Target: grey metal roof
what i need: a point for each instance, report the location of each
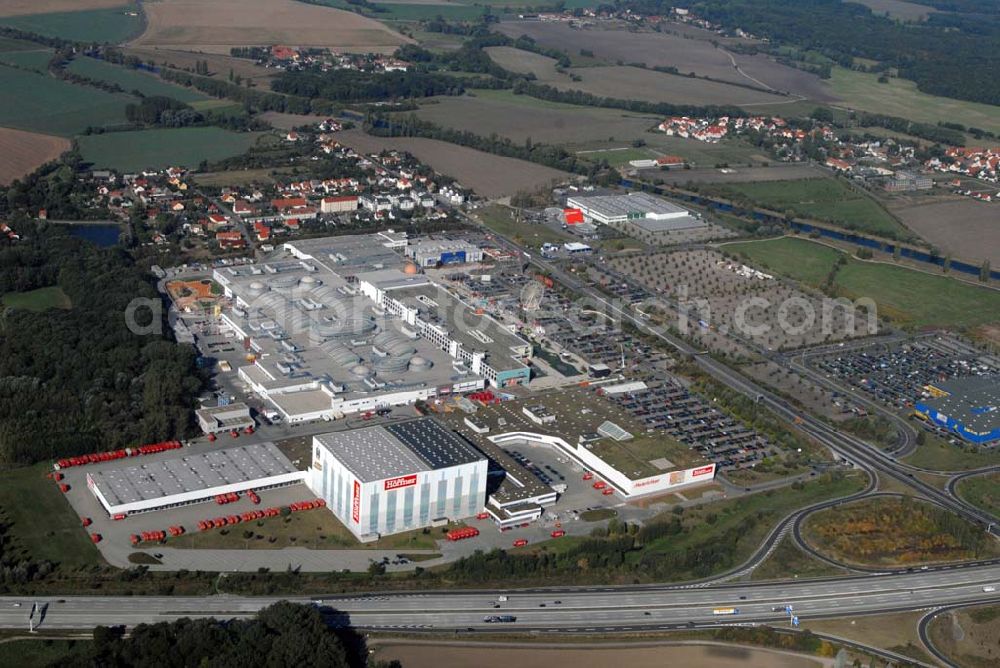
(434, 443)
(376, 453)
(190, 473)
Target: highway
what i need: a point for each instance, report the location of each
(579, 609)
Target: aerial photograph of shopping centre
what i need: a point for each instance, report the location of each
(440, 333)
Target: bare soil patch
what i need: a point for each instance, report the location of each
(214, 26)
(962, 227)
(441, 655)
(489, 175)
(24, 7)
(23, 152)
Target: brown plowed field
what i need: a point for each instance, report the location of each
(23, 152)
(214, 26)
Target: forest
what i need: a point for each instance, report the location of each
(78, 380)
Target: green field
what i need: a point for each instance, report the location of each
(498, 218)
(46, 104)
(900, 97)
(11, 44)
(129, 80)
(823, 199)
(982, 492)
(618, 157)
(937, 454)
(41, 299)
(35, 59)
(40, 652)
(908, 296)
(807, 263)
(47, 529)
(186, 147)
(93, 25)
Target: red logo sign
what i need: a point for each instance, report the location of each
(402, 481)
(704, 470)
(356, 503)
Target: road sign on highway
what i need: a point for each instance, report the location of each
(788, 609)
(795, 620)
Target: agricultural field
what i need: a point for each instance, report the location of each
(50, 106)
(110, 25)
(60, 539)
(629, 83)
(822, 199)
(982, 492)
(894, 532)
(35, 59)
(961, 227)
(718, 291)
(20, 7)
(734, 173)
(219, 66)
(186, 147)
(23, 152)
(665, 49)
(898, 9)
(214, 26)
(968, 636)
(130, 79)
(41, 299)
(519, 117)
(489, 175)
(900, 97)
(908, 296)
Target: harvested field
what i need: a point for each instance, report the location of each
(489, 175)
(962, 227)
(778, 172)
(630, 83)
(23, 152)
(670, 50)
(20, 7)
(214, 26)
(519, 117)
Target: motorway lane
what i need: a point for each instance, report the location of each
(580, 608)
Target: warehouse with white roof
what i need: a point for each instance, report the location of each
(185, 478)
(389, 479)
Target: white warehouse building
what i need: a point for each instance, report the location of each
(389, 479)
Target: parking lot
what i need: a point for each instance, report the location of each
(896, 374)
